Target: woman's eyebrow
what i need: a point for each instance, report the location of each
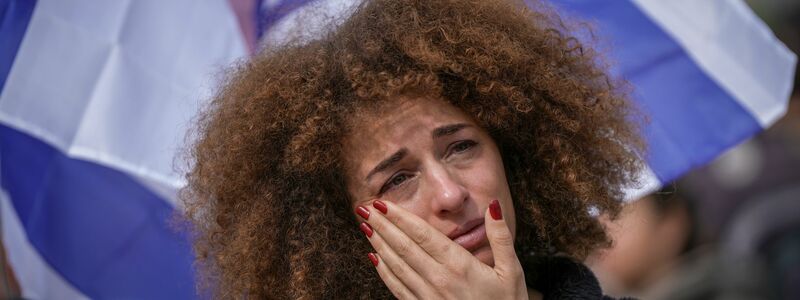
(448, 129)
(388, 162)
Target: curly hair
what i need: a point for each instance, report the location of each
(266, 194)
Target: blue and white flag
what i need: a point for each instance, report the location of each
(96, 96)
(709, 74)
(95, 102)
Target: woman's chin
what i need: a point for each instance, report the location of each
(484, 254)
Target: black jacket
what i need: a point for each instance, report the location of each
(561, 278)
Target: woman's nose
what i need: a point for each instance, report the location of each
(447, 194)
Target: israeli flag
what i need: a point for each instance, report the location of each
(96, 97)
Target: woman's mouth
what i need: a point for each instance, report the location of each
(470, 235)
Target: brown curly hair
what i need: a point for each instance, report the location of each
(266, 195)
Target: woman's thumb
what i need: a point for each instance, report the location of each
(501, 240)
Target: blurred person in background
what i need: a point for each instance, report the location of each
(729, 230)
(650, 237)
(726, 231)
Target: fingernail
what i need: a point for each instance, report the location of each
(379, 205)
(366, 229)
(494, 210)
(373, 258)
(363, 212)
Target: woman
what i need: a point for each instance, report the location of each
(468, 140)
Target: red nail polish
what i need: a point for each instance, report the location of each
(379, 205)
(363, 212)
(373, 258)
(494, 210)
(366, 229)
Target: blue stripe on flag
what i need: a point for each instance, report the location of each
(692, 118)
(104, 232)
(15, 17)
(268, 17)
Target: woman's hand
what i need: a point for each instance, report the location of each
(416, 261)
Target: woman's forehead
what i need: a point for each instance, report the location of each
(404, 118)
(397, 125)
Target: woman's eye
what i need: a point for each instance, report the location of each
(398, 179)
(394, 181)
(462, 146)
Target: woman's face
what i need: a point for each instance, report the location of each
(430, 158)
